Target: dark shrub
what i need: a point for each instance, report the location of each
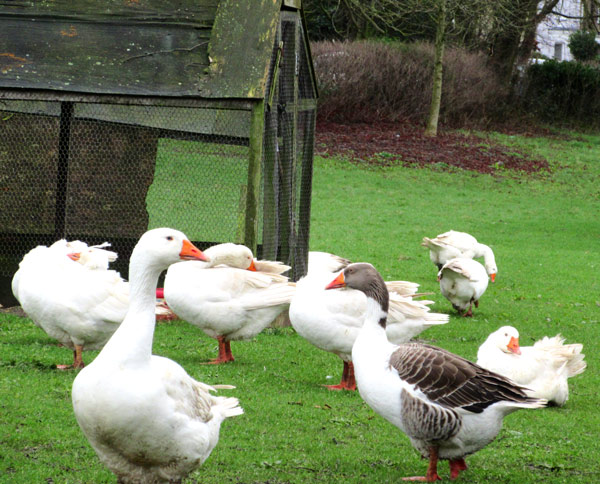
(563, 92)
(583, 46)
(365, 81)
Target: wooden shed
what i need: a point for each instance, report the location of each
(121, 115)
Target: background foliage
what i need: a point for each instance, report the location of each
(559, 92)
(489, 45)
(394, 83)
(583, 46)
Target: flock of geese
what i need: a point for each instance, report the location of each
(150, 422)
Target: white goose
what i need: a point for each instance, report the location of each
(452, 244)
(325, 262)
(231, 298)
(448, 406)
(79, 307)
(463, 281)
(331, 320)
(145, 417)
(94, 257)
(543, 368)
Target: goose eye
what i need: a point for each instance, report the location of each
(169, 237)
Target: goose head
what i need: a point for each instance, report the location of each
(489, 261)
(492, 270)
(506, 339)
(159, 248)
(232, 255)
(364, 277)
(94, 257)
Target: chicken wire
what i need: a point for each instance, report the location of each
(108, 169)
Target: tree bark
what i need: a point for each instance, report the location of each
(438, 71)
(515, 43)
(590, 15)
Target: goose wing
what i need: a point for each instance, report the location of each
(452, 381)
(461, 240)
(191, 397)
(324, 261)
(272, 267)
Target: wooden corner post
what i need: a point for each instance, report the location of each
(254, 176)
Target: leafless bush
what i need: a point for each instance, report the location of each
(365, 81)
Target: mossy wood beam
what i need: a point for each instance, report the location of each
(270, 238)
(239, 50)
(288, 120)
(180, 12)
(163, 101)
(293, 240)
(301, 262)
(254, 176)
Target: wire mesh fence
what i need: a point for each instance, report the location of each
(102, 168)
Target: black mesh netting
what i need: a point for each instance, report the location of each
(100, 170)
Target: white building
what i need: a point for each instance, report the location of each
(553, 33)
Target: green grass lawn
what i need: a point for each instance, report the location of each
(206, 175)
(545, 232)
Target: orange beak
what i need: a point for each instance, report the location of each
(190, 252)
(74, 256)
(337, 282)
(513, 346)
(252, 267)
(493, 277)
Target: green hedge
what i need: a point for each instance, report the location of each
(567, 92)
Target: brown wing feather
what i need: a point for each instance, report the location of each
(452, 381)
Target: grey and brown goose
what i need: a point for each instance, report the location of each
(448, 406)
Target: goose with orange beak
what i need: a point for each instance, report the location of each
(452, 244)
(77, 301)
(331, 320)
(448, 406)
(543, 368)
(145, 417)
(231, 297)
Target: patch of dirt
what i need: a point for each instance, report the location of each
(393, 143)
(16, 310)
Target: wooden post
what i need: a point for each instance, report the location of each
(308, 120)
(288, 120)
(62, 175)
(270, 203)
(270, 229)
(254, 175)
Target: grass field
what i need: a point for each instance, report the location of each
(206, 175)
(545, 232)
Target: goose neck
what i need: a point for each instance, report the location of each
(375, 316)
(372, 339)
(486, 252)
(133, 339)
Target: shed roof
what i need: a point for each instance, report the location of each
(199, 48)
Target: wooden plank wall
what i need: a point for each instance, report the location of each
(140, 47)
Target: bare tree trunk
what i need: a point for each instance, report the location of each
(436, 88)
(590, 15)
(516, 40)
